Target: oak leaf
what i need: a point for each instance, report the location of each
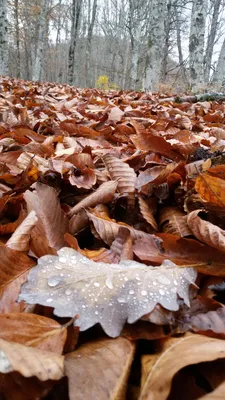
(108, 294)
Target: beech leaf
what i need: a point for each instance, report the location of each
(121, 171)
(109, 294)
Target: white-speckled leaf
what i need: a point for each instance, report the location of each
(109, 294)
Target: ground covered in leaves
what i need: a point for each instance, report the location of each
(112, 245)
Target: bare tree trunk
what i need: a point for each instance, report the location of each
(196, 42)
(126, 62)
(179, 48)
(211, 40)
(16, 8)
(4, 57)
(155, 45)
(88, 77)
(41, 43)
(219, 74)
(167, 27)
(76, 15)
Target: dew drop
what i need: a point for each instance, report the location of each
(96, 284)
(83, 306)
(164, 280)
(49, 300)
(121, 300)
(109, 283)
(126, 278)
(53, 281)
(68, 292)
(175, 282)
(131, 291)
(161, 292)
(62, 260)
(154, 283)
(96, 312)
(144, 292)
(58, 266)
(138, 278)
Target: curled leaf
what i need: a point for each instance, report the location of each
(206, 231)
(21, 237)
(121, 171)
(106, 293)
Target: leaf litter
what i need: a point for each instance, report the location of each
(112, 221)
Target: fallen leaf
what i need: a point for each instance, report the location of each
(21, 237)
(45, 203)
(205, 231)
(178, 355)
(122, 172)
(211, 188)
(30, 361)
(174, 221)
(147, 213)
(105, 364)
(106, 293)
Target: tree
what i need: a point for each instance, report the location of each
(76, 17)
(91, 21)
(3, 38)
(219, 74)
(196, 42)
(41, 42)
(156, 36)
(211, 40)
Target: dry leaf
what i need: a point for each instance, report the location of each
(205, 231)
(173, 221)
(174, 358)
(29, 361)
(147, 213)
(121, 171)
(211, 188)
(105, 364)
(21, 237)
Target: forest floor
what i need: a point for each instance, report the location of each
(112, 245)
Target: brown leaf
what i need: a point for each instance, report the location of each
(10, 293)
(21, 237)
(211, 188)
(105, 365)
(108, 230)
(33, 330)
(103, 195)
(30, 361)
(174, 221)
(145, 140)
(174, 358)
(147, 213)
(123, 245)
(12, 264)
(12, 226)
(121, 171)
(45, 203)
(211, 323)
(205, 231)
(182, 252)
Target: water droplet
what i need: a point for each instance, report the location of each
(154, 283)
(161, 292)
(49, 300)
(173, 290)
(83, 306)
(108, 282)
(62, 260)
(144, 292)
(96, 284)
(53, 281)
(163, 279)
(175, 282)
(131, 291)
(121, 300)
(96, 312)
(68, 292)
(126, 278)
(58, 266)
(44, 270)
(138, 278)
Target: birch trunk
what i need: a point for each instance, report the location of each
(76, 15)
(219, 74)
(196, 43)
(41, 43)
(211, 40)
(88, 77)
(179, 47)
(3, 38)
(155, 45)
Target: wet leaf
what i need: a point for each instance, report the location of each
(106, 293)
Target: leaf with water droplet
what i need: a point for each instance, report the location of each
(109, 294)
